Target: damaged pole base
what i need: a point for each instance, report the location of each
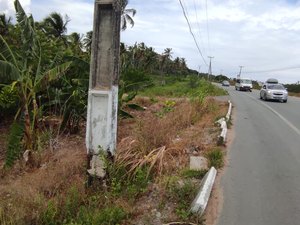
(96, 169)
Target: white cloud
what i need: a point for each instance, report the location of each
(7, 6)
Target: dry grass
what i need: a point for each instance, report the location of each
(163, 142)
(294, 94)
(158, 138)
(24, 192)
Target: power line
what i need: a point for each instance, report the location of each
(198, 25)
(274, 70)
(188, 22)
(208, 41)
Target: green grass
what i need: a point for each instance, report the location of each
(183, 89)
(198, 174)
(80, 209)
(215, 158)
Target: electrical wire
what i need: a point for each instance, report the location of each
(188, 22)
(274, 70)
(207, 28)
(198, 25)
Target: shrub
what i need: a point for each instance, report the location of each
(109, 216)
(14, 148)
(193, 81)
(215, 157)
(198, 174)
(135, 79)
(183, 194)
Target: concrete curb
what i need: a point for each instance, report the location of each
(223, 123)
(200, 202)
(229, 111)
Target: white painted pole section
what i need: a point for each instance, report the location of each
(200, 202)
(101, 133)
(102, 120)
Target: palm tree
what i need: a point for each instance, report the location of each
(4, 24)
(164, 61)
(87, 41)
(74, 41)
(166, 56)
(56, 26)
(126, 15)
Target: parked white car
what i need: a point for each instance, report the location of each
(243, 84)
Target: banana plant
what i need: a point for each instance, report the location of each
(24, 70)
(124, 101)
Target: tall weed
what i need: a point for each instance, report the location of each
(216, 158)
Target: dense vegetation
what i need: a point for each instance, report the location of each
(44, 76)
(295, 88)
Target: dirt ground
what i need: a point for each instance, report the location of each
(65, 165)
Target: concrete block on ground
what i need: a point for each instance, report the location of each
(198, 163)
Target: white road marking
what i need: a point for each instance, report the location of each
(279, 115)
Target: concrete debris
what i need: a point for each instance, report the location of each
(198, 163)
(27, 155)
(97, 167)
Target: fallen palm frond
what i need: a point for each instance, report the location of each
(157, 161)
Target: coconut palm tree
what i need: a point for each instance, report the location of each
(87, 41)
(126, 15)
(74, 42)
(56, 25)
(165, 58)
(4, 24)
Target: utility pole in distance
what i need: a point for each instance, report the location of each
(239, 75)
(209, 68)
(199, 71)
(101, 131)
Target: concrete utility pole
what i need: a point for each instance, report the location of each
(209, 68)
(239, 75)
(101, 131)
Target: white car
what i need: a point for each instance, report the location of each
(274, 91)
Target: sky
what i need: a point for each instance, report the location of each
(262, 36)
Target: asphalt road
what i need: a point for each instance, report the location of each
(261, 183)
